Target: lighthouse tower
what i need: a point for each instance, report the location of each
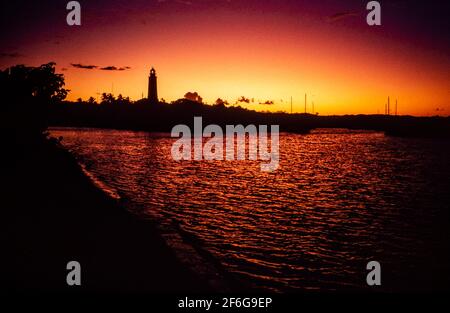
(152, 87)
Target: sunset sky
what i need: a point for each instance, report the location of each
(260, 49)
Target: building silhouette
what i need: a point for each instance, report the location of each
(152, 87)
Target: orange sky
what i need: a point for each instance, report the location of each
(345, 67)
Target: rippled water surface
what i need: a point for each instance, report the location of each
(339, 199)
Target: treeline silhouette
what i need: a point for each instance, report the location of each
(121, 113)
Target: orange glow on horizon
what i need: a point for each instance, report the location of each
(344, 71)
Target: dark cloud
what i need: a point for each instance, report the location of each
(105, 68)
(114, 68)
(342, 15)
(86, 67)
(268, 102)
(10, 54)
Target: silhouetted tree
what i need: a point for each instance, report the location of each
(193, 96)
(244, 99)
(221, 103)
(27, 94)
(107, 98)
(122, 100)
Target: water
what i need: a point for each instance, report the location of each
(339, 199)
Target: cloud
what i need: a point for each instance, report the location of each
(10, 54)
(342, 15)
(268, 102)
(105, 68)
(114, 68)
(86, 67)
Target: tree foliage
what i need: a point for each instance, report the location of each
(27, 93)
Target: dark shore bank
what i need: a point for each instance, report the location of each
(54, 214)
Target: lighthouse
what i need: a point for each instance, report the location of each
(152, 87)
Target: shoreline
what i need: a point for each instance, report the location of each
(65, 217)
